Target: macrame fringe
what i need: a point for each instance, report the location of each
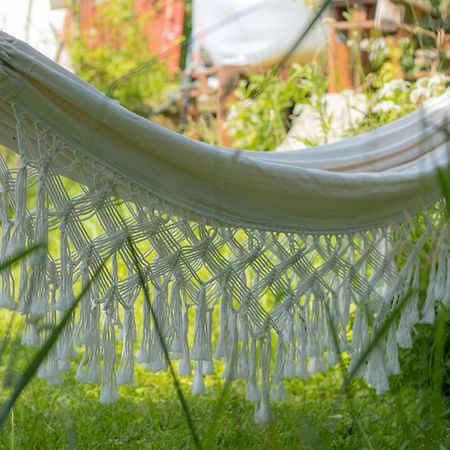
(285, 305)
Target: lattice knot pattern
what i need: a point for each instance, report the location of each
(270, 303)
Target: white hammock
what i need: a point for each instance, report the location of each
(275, 241)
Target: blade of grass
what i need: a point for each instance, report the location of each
(19, 255)
(32, 368)
(176, 383)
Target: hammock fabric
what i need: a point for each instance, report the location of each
(299, 248)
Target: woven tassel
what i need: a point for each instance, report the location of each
(19, 235)
(278, 392)
(392, 366)
(143, 354)
(7, 296)
(82, 328)
(223, 343)
(242, 361)
(230, 372)
(440, 282)
(89, 367)
(428, 312)
(66, 297)
(291, 354)
(30, 336)
(409, 314)
(201, 351)
(108, 392)
(375, 373)
(198, 387)
(184, 369)
(359, 338)
(208, 366)
(252, 392)
(158, 361)
(126, 365)
(302, 368)
(176, 321)
(315, 338)
(38, 292)
(262, 411)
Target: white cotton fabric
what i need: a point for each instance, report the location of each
(361, 183)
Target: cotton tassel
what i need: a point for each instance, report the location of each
(65, 346)
(39, 293)
(429, 305)
(359, 338)
(331, 334)
(278, 391)
(242, 362)
(344, 314)
(22, 306)
(184, 369)
(208, 366)
(19, 235)
(409, 314)
(143, 354)
(198, 387)
(375, 373)
(230, 372)
(441, 272)
(108, 392)
(201, 351)
(262, 412)
(7, 297)
(289, 339)
(89, 369)
(126, 365)
(159, 330)
(81, 335)
(223, 343)
(176, 346)
(66, 297)
(30, 336)
(302, 368)
(49, 369)
(252, 392)
(315, 338)
(393, 365)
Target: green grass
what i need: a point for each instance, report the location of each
(315, 415)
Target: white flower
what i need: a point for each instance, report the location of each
(392, 87)
(364, 44)
(419, 94)
(384, 107)
(438, 80)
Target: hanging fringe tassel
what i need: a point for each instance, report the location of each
(184, 369)
(7, 296)
(278, 391)
(108, 392)
(252, 392)
(38, 292)
(262, 411)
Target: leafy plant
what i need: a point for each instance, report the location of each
(112, 46)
